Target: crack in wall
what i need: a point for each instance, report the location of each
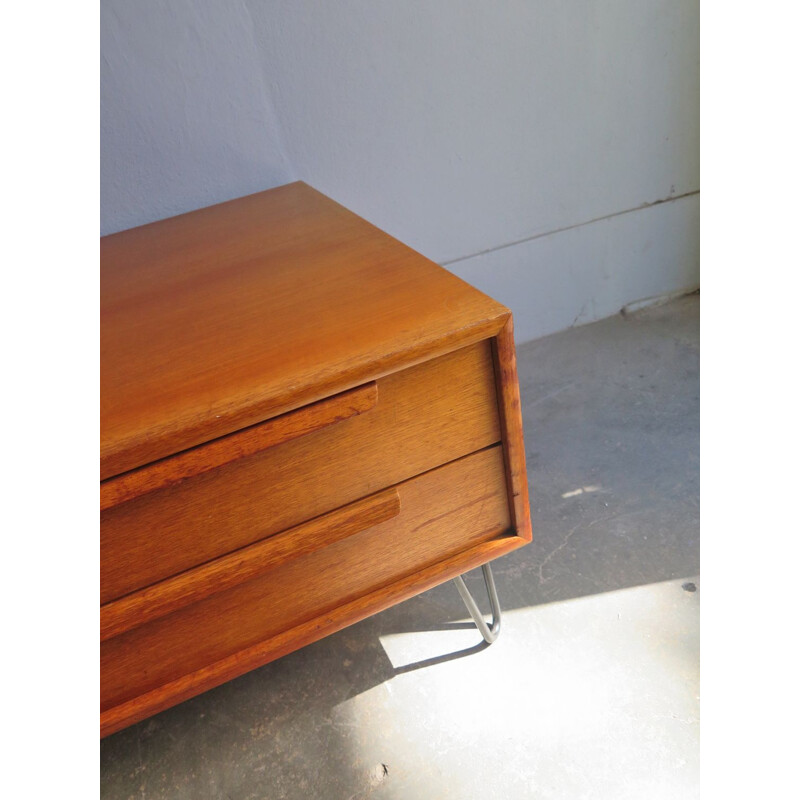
(568, 228)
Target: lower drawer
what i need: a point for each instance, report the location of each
(443, 512)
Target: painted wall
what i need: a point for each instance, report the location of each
(521, 143)
(185, 112)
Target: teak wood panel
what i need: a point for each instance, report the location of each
(234, 446)
(227, 316)
(425, 416)
(187, 686)
(443, 513)
(216, 576)
(511, 423)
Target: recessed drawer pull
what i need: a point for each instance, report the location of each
(167, 596)
(226, 449)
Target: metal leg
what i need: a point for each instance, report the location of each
(489, 633)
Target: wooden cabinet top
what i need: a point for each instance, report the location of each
(223, 317)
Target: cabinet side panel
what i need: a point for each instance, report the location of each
(510, 408)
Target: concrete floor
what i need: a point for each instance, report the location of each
(592, 689)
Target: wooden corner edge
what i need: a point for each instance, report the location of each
(510, 408)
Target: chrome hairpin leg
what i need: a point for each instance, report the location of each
(489, 633)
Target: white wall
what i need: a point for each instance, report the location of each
(521, 143)
(186, 117)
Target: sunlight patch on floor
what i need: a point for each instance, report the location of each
(596, 696)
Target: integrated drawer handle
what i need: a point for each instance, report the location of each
(240, 444)
(223, 573)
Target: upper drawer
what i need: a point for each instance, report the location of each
(425, 416)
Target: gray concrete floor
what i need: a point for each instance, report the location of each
(592, 689)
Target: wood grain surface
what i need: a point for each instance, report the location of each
(234, 446)
(511, 423)
(216, 576)
(219, 319)
(194, 683)
(444, 513)
(303, 422)
(425, 416)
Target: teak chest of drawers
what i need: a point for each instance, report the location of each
(303, 422)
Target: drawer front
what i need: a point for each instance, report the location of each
(442, 513)
(425, 416)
